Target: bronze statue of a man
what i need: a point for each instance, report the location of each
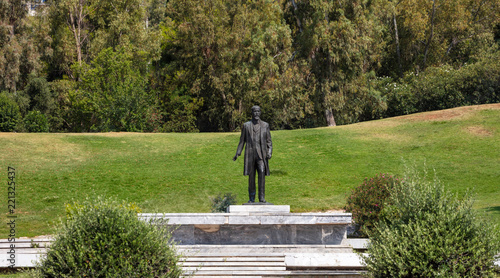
(259, 148)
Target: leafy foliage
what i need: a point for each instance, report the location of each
(222, 202)
(104, 238)
(423, 34)
(35, 121)
(181, 115)
(9, 113)
(428, 232)
(367, 201)
(19, 54)
(444, 87)
(83, 29)
(112, 95)
(229, 54)
(341, 42)
(39, 95)
(200, 66)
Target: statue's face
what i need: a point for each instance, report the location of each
(256, 114)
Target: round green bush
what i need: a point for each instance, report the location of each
(35, 121)
(367, 201)
(9, 114)
(104, 238)
(428, 232)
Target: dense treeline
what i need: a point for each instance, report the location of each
(187, 65)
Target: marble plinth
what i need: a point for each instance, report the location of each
(259, 234)
(262, 225)
(259, 208)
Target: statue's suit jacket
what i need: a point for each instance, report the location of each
(265, 143)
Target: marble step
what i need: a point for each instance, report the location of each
(286, 273)
(212, 265)
(243, 265)
(242, 273)
(232, 259)
(230, 269)
(246, 249)
(359, 244)
(24, 245)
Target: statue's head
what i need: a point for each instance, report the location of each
(255, 112)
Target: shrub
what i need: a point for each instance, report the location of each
(443, 87)
(9, 114)
(61, 118)
(36, 122)
(104, 238)
(367, 200)
(222, 202)
(428, 232)
(41, 98)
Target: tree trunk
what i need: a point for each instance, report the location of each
(330, 120)
(75, 29)
(430, 35)
(296, 17)
(398, 51)
(76, 23)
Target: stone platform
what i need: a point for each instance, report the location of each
(249, 208)
(261, 225)
(264, 241)
(249, 241)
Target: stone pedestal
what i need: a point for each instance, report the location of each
(261, 225)
(259, 208)
(264, 241)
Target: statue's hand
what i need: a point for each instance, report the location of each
(269, 156)
(235, 157)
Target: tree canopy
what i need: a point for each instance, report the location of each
(186, 65)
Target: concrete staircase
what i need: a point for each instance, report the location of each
(270, 261)
(27, 251)
(252, 265)
(229, 260)
(249, 241)
(229, 265)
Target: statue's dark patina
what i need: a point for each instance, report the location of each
(255, 134)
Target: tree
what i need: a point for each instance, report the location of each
(82, 29)
(125, 24)
(341, 41)
(112, 95)
(19, 56)
(430, 33)
(72, 31)
(40, 96)
(228, 54)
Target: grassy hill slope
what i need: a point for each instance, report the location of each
(311, 170)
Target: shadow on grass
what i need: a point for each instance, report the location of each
(278, 172)
(493, 209)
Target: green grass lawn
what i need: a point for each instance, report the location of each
(311, 169)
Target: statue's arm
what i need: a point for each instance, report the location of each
(269, 143)
(240, 145)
